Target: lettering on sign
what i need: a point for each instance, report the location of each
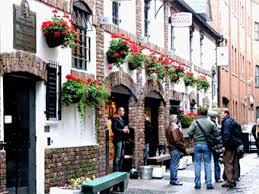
(24, 31)
(182, 19)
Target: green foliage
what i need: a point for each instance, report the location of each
(188, 79)
(84, 93)
(186, 119)
(118, 51)
(135, 60)
(202, 83)
(154, 67)
(60, 28)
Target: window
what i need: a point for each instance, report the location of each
(172, 39)
(257, 112)
(256, 31)
(201, 43)
(115, 13)
(257, 76)
(146, 21)
(191, 38)
(53, 92)
(81, 54)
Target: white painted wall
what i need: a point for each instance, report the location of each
(70, 131)
(182, 43)
(156, 25)
(127, 14)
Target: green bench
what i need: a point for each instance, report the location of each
(105, 183)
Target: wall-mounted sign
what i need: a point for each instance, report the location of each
(182, 19)
(222, 56)
(24, 32)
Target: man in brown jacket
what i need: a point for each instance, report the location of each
(176, 146)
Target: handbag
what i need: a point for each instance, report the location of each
(214, 143)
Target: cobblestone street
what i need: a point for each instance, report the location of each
(248, 183)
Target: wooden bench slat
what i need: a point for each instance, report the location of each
(105, 182)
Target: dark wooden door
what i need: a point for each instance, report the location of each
(19, 103)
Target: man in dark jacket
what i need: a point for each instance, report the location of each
(120, 130)
(231, 140)
(176, 146)
(255, 132)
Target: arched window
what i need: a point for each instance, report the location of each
(81, 54)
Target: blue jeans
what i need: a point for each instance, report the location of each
(146, 153)
(216, 167)
(202, 150)
(174, 164)
(119, 147)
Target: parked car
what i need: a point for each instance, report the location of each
(248, 138)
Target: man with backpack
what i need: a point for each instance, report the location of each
(200, 131)
(255, 132)
(231, 138)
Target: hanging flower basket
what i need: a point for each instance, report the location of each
(202, 83)
(90, 92)
(59, 31)
(54, 40)
(188, 79)
(118, 50)
(135, 60)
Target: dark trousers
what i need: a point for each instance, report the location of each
(119, 148)
(231, 165)
(257, 143)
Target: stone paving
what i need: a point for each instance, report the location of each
(248, 184)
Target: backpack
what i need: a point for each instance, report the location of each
(213, 142)
(237, 133)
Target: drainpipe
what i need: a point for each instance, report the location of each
(221, 39)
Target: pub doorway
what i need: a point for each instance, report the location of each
(120, 98)
(19, 133)
(152, 103)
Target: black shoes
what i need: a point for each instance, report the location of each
(228, 185)
(219, 181)
(176, 183)
(197, 187)
(210, 187)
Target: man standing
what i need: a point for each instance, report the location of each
(255, 132)
(197, 132)
(216, 156)
(148, 138)
(120, 130)
(230, 141)
(175, 145)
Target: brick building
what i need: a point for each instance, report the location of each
(45, 147)
(233, 19)
(255, 38)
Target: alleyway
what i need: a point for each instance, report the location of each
(247, 185)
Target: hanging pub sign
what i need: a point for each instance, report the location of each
(182, 19)
(24, 32)
(222, 56)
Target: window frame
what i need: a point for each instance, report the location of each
(257, 76)
(115, 13)
(256, 31)
(146, 18)
(81, 54)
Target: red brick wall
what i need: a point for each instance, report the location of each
(63, 163)
(22, 61)
(2, 171)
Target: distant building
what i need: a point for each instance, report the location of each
(255, 38)
(233, 19)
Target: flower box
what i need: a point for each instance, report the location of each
(63, 190)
